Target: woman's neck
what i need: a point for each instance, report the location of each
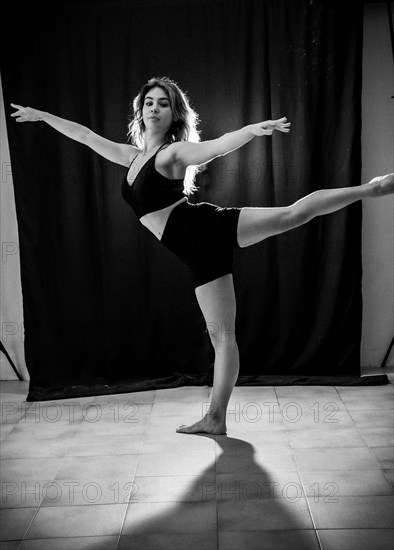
(152, 142)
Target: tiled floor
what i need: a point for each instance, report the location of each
(301, 468)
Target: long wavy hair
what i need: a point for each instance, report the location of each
(183, 127)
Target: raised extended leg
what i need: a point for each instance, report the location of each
(257, 224)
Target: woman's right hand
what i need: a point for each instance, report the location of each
(26, 114)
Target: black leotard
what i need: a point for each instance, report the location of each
(202, 235)
(150, 190)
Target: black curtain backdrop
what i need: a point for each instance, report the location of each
(106, 307)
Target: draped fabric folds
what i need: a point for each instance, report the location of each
(106, 307)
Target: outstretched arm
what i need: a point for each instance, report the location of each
(120, 153)
(187, 153)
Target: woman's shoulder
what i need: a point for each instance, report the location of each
(169, 151)
(165, 154)
(166, 161)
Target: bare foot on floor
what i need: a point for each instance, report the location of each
(207, 425)
(382, 185)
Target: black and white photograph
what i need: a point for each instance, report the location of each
(197, 275)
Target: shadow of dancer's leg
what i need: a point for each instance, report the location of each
(235, 503)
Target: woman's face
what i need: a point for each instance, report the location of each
(156, 111)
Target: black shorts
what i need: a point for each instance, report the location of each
(203, 236)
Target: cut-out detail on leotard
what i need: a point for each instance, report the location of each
(202, 235)
(150, 190)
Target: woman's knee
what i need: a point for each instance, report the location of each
(222, 336)
(298, 215)
(258, 224)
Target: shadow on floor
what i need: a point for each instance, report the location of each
(233, 505)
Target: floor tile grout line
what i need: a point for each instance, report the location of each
(302, 484)
(301, 478)
(366, 444)
(216, 500)
(145, 435)
(40, 505)
(30, 524)
(134, 475)
(371, 411)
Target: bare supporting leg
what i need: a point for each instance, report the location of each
(217, 303)
(256, 224)
(217, 299)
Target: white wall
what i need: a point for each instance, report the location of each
(378, 159)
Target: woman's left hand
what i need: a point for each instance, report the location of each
(267, 127)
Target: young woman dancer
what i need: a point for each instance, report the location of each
(161, 163)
